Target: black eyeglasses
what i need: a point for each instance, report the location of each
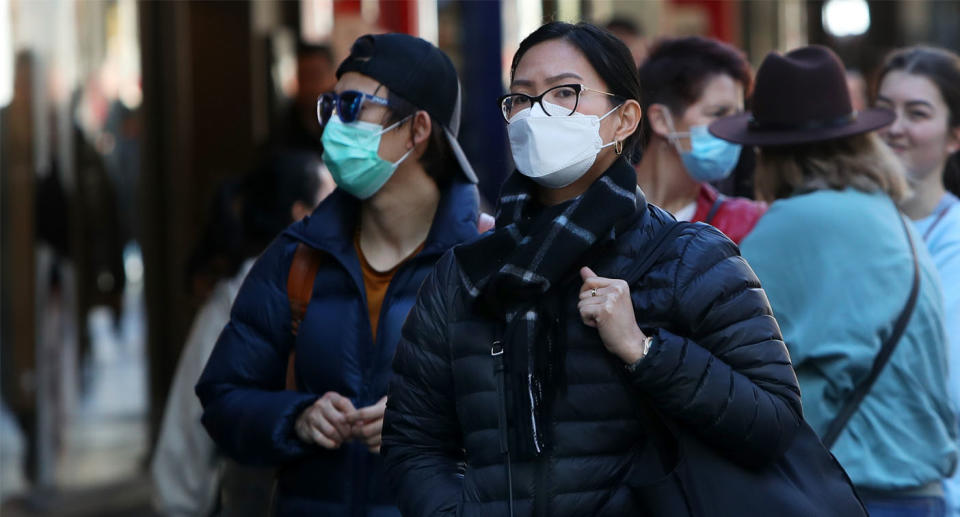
(562, 101)
(347, 105)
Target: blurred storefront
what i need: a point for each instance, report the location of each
(119, 121)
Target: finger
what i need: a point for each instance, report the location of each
(372, 429)
(369, 413)
(587, 273)
(343, 405)
(323, 440)
(337, 419)
(595, 283)
(588, 294)
(375, 450)
(322, 424)
(589, 315)
(372, 440)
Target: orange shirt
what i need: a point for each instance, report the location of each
(376, 282)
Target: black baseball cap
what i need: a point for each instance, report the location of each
(417, 71)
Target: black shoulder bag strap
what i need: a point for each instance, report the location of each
(886, 350)
(655, 249)
(721, 199)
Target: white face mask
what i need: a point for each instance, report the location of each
(555, 151)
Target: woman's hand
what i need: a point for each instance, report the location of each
(605, 305)
(327, 422)
(368, 423)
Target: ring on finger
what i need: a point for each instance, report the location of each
(593, 292)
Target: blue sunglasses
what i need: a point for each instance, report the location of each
(346, 104)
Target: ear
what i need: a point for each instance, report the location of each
(420, 127)
(630, 113)
(658, 114)
(953, 140)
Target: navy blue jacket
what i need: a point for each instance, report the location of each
(246, 409)
(717, 365)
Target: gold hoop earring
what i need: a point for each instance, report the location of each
(618, 148)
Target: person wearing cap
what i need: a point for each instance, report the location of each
(523, 368)
(307, 395)
(839, 265)
(688, 83)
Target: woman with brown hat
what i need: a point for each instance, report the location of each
(854, 289)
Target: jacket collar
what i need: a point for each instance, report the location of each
(330, 227)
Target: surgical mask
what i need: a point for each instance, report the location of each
(709, 158)
(350, 153)
(555, 151)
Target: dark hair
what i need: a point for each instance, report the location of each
(270, 191)
(940, 66)
(676, 71)
(606, 54)
(951, 174)
(625, 25)
(438, 160)
(312, 49)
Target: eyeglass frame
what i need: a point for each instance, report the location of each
(364, 97)
(538, 99)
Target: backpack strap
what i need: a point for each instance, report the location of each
(303, 273)
(886, 350)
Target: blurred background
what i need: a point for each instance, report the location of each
(121, 123)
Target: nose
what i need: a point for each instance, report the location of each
(896, 128)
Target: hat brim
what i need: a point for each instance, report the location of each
(737, 129)
(461, 157)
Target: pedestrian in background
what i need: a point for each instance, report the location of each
(688, 83)
(190, 478)
(840, 267)
(922, 86)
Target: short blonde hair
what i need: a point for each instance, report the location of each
(863, 162)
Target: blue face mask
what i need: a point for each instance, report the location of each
(709, 158)
(350, 153)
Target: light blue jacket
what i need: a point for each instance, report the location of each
(837, 269)
(941, 232)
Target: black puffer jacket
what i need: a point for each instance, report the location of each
(717, 364)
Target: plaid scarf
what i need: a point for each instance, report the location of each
(508, 273)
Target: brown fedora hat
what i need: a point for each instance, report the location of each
(800, 98)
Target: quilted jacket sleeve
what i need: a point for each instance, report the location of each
(729, 376)
(421, 438)
(245, 407)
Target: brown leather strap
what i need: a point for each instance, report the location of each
(303, 272)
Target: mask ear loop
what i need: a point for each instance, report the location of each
(674, 136)
(393, 126)
(619, 144)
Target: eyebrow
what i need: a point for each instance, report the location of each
(549, 80)
(912, 103)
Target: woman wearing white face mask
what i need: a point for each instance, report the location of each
(524, 365)
(687, 84)
(298, 378)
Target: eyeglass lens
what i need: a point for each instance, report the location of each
(347, 105)
(559, 101)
